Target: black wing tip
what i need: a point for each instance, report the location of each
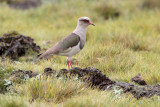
(38, 56)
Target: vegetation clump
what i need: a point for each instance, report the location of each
(22, 4)
(4, 75)
(151, 4)
(107, 11)
(132, 43)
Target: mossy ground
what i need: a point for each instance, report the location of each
(121, 47)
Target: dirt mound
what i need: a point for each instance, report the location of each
(49, 72)
(15, 45)
(20, 75)
(139, 91)
(138, 79)
(95, 78)
(91, 77)
(23, 4)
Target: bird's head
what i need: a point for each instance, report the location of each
(84, 21)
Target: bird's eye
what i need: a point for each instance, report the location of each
(86, 20)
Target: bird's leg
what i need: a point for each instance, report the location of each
(69, 72)
(70, 64)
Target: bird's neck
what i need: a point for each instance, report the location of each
(81, 31)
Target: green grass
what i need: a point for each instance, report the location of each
(54, 90)
(12, 101)
(121, 47)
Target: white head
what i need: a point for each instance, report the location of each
(84, 21)
(81, 29)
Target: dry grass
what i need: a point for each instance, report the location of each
(51, 90)
(11, 101)
(151, 4)
(107, 10)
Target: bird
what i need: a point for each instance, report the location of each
(71, 44)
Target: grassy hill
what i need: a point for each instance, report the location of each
(124, 42)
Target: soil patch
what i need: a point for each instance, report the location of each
(20, 75)
(96, 79)
(15, 45)
(138, 79)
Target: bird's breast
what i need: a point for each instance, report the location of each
(71, 51)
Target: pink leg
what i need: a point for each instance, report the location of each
(68, 62)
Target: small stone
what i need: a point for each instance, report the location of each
(138, 79)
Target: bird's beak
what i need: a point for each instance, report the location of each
(91, 23)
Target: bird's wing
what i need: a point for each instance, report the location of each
(66, 43)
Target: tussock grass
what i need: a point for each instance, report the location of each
(105, 99)
(11, 101)
(132, 42)
(51, 89)
(4, 73)
(107, 10)
(151, 4)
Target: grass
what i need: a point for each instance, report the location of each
(51, 89)
(151, 4)
(121, 47)
(11, 101)
(4, 73)
(107, 99)
(107, 10)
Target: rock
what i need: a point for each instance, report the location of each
(125, 86)
(138, 79)
(15, 45)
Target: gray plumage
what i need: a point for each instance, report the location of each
(62, 46)
(82, 43)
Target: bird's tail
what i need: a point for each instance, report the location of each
(50, 51)
(39, 55)
(36, 58)
(42, 55)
